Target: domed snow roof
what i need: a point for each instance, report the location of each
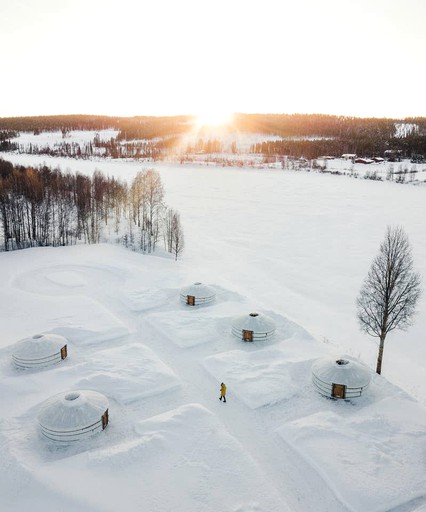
(261, 326)
(40, 350)
(196, 294)
(327, 373)
(73, 415)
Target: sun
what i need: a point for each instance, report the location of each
(213, 118)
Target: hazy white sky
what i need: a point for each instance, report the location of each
(167, 57)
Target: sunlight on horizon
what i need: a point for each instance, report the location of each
(213, 118)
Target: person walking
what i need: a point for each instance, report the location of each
(222, 392)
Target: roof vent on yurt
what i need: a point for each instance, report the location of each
(340, 378)
(73, 415)
(253, 327)
(197, 294)
(39, 351)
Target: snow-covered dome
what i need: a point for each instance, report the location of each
(197, 294)
(340, 378)
(253, 326)
(73, 415)
(39, 351)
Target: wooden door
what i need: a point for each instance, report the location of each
(190, 300)
(105, 419)
(338, 391)
(64, 352)
(247, 335)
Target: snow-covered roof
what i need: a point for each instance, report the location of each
(343, 371)
(202, 293)
(260, 325)
(39, 350)
(73, 415)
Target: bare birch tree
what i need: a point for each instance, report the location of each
(390, 292)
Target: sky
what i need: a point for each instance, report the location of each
(169, 57)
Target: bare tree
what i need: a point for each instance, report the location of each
(178, 241)
(388, 297)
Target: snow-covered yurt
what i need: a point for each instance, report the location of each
(197, 294)
(341, 377)
(253, 326)
(39, 351)
(73, 415)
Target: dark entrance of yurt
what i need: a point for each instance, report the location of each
(105, 420)
(338, 391)
(247, 335)
(190, 300)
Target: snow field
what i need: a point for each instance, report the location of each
(373, 459)
(52, 138)
(194, 455)
(301, 253)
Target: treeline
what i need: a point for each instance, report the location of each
(45, 207)
(111, 148)
(64, 123)
(282, 125)
(136, 128)
(5, 143)
(129, 128)
(320, 125)
(308, 135)
(410, 145)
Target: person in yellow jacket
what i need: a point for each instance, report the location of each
(222, 392)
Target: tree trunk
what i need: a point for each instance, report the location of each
(380, 355)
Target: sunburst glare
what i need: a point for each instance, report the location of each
(214, 118)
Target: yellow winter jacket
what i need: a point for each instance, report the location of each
(222, 390)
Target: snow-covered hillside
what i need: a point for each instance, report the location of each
(295, 246)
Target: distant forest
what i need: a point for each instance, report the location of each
(297, 135)
(46, 207)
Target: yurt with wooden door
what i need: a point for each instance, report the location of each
(40, 351)
(253, 327)
(197, 294)
(340, 377)
(73, 415)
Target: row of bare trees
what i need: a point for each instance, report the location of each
(45, 207)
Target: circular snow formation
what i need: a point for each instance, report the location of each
(69, 278)
(253, 326)
(340, 377)
(197, 294)
(39, 351)
(73, 415)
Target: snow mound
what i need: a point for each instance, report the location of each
(373, 459)
(68, 278)
(185, 328)
(265, 376)
(127, 373)
(182, 460)
(145, 299)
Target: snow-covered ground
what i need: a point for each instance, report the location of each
(52, 138)
(293, 245)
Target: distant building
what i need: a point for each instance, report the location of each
(418, 159)
(363, 161)
(378, 159)
(393, 155)
(349, 156)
